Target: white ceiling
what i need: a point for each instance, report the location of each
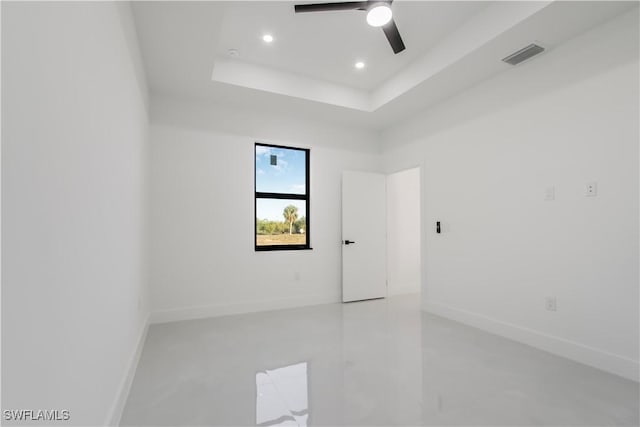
(308, 70)
(326, 45)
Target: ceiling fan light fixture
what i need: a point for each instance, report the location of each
(379, 15)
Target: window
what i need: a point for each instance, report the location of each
(281, 198)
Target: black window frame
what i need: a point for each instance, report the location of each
(282, 196)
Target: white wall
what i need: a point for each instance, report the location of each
(566, 118)
(74, 160)
(202, 211)
(403, 232)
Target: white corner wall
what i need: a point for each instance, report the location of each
(74, 155)
(403, 232)
(203, 261)
(566, 118)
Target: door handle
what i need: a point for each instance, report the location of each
(348, 242)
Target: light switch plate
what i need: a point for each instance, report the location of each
(591, 189)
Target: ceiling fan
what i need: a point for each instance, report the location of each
(379, 14)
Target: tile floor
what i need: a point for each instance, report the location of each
(381, 362)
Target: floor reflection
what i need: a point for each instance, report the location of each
(281, 396)
(370, 363)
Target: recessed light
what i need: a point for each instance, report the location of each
(268, 38)
(233, 52)
(359, 65)
(379, 15)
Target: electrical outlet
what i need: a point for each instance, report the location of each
(591, 189)
(550, 304)
(550, 193)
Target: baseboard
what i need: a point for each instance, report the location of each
(115, 414)
(215, 310)
(403, 288)
(594, 357)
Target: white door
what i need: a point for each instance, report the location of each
(364, 272)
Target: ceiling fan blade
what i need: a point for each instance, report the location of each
(393, 35)
(327, 7)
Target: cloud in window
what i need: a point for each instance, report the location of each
(262, 151)
(298, 188)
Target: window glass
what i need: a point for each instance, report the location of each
(280, 170)
(281, 222)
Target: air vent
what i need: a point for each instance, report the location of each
(523, 54)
